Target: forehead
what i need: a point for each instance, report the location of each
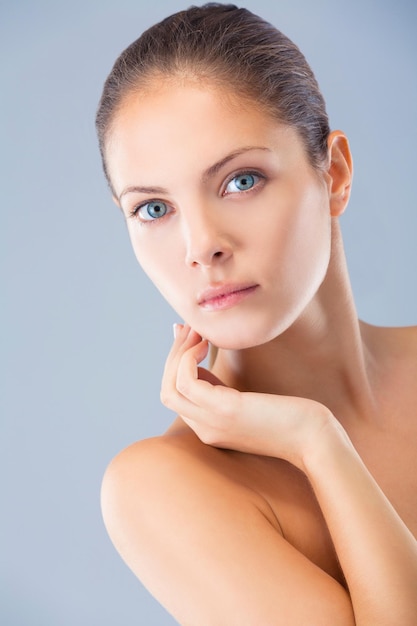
(184, 127)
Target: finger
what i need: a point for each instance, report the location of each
(185, 339)
(211, 398)
(170, 394)
(176, 328)
(188, 363)
(181, 332)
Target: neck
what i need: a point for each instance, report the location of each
(322, 356)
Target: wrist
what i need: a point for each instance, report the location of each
(325, 445)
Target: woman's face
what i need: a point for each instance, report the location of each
(225, 213)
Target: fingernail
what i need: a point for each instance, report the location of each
(176, 329)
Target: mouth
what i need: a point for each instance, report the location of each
(225, 296)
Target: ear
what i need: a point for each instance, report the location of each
(340, 172)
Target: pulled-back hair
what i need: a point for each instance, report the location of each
(229, 47)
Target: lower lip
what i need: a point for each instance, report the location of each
(228, 300)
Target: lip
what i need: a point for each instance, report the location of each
(225, 296)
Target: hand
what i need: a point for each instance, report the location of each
(267, 424)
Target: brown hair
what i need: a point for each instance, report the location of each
(230, 47)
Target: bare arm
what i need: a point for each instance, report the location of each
(377, 552)
(211, 554)
(207, 548)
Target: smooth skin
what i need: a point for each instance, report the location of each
(284, 494)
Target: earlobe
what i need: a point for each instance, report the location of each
(340, 172)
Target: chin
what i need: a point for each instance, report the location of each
(242, 339)
(242, 329)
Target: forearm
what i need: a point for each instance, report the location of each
(377, 552)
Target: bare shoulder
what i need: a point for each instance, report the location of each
(151, 470)
(393, 355)
(395, 349)
(405, 339)
(198, 537)
(396, 340)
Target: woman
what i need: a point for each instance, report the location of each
(284, 491)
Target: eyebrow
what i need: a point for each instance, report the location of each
(213, 169)
(208, 173)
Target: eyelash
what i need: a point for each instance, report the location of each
(244, 173)
(135, 211)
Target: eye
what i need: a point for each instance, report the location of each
(152, 210)
(242, 182)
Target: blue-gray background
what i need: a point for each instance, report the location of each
(83, 332)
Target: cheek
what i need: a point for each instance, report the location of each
(313, 251)
(159, 257)
(297, 247)
(299, 222)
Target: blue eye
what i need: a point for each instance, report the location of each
(152, 210)
(242, 182)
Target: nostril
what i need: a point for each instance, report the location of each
(203, 253)
(206, 260)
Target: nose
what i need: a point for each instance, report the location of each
(206, 242)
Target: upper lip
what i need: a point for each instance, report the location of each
(222, 290)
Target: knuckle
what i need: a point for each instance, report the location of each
(226, 418)
(211, 435)
(229, 405)
(166, 397)
(183, 387)
(228, 411)
(208, 437)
